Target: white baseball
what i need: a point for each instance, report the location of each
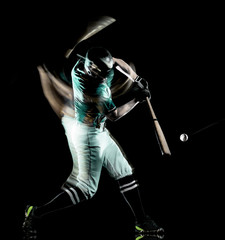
(184, 137)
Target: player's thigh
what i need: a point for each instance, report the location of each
(115, 160)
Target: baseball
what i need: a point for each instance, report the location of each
(184, 137)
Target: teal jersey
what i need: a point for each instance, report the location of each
(92, 99)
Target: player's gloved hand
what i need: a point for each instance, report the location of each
(142, 89)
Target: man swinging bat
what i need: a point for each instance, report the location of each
(84, 103)
(92, 147)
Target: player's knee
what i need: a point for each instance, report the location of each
(92, 192)
(88, 191)
(88, 188)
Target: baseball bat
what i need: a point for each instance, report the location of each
(93, 27)
(158, 131)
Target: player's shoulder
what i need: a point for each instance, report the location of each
(104, 91)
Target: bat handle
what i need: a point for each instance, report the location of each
(151, 109)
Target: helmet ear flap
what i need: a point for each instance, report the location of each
(89, 72)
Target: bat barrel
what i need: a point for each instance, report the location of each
(158, 131)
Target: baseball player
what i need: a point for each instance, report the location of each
(92, 146)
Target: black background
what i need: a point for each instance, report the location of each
(179, 49)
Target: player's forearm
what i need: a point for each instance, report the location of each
(122, 110)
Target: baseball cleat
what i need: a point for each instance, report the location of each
(148, 230)
(28, 228)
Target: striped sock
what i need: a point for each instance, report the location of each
(69, 197)
(75, 194)
(130, 191)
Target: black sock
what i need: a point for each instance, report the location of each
(129, 189)
(68, 198)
